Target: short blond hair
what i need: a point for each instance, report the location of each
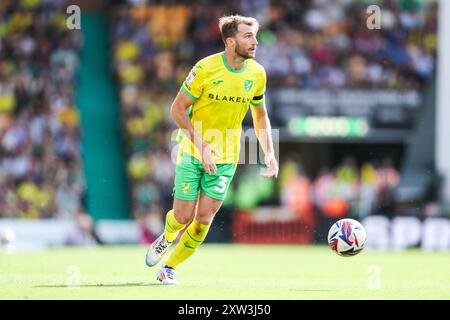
(228, 25)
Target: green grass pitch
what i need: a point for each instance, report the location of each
(226, 272)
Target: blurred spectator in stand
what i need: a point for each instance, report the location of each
(84, 233)
(296, 191)
(367, 190)
(347, 182)
(252, 189)
(387, 179)
(329, 202)
(151, 223)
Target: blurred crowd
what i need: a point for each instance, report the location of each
(306, 44)
(341, 191)
(347, 189)
(315, 44)
(328, 44)
(40, 174)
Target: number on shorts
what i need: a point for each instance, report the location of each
(222, 184)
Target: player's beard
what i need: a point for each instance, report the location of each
(242, 53)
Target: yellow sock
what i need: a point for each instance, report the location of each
(189, 241)
(172, 226)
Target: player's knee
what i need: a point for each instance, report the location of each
(205, 217)
(183, 217)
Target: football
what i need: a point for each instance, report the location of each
(347, 237)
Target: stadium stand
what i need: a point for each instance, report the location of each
(315, 45)
(41, 175)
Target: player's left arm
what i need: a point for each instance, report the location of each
(262, 126)
(263, 130)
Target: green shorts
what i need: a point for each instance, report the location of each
(191, 177)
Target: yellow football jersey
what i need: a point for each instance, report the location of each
(222, 98)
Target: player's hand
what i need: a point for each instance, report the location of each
(272, 166)
(208, 151)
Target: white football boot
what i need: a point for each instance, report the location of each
(157, 250)
(166, 275)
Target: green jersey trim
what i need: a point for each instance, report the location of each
(256, 104)
(224, 59)
(188, 93)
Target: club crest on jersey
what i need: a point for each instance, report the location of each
(185, 187)
(248, 84)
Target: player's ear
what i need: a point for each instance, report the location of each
(230, 41)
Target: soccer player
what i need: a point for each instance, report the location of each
(209, 110)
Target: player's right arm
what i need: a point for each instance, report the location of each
(179, 113)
